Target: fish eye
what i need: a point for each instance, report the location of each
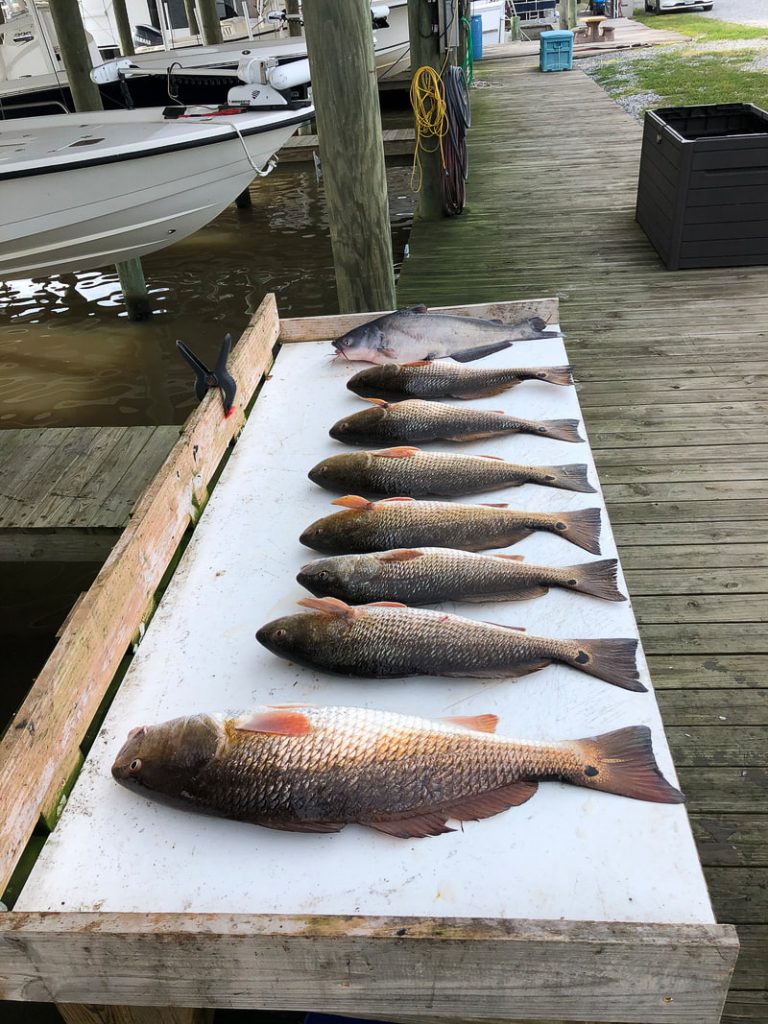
(280, 634)
(344, 425)
(134, 766)
(322, 575)
(323, 469)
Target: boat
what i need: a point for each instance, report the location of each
(186, 74)
(88, 189)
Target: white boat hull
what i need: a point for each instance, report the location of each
(90, 216)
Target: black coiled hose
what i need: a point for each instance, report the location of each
(459, 118)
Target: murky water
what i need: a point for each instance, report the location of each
(69, 356)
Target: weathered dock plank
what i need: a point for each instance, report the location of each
(672, 381)
(65, 493)
(300, 148)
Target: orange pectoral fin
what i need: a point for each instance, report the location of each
(404, 452)
(375, 401)
(276, 722)
(498, 504)
(331, 606)
(512, 558)
(353, 501)
(479, 723)
(389, 500)
(384, 604)
(418, 362)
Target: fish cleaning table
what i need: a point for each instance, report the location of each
(577, 905)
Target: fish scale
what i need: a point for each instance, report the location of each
(316, 769)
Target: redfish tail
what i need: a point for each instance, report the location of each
(561, 430)
(597, 579)
(568, 478)
(622, 762)
(613, 661)
(581, 528)
(562, 375)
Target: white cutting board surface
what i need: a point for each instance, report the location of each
(568, 853)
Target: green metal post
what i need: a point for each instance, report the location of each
(189, 10)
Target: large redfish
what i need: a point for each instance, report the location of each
(315, 769)
(445, 379)
(389, 640)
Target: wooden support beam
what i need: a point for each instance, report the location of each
(568, 14)
(37, 751)
(87, 1013)
(123, 28)
(293, 12)
(386, 968)
(74, 52)
(208, 17)
(425, 52)
(340, 50)
(192, 25)
(134, 288)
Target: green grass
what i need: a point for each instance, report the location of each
(697, 27)
(688, 78)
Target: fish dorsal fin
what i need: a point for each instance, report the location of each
(417, 362)
(401, 555)
(419, 308)
(497, 504)
(275, 721)
(478, 723)
(384, 604)
(501, 625)
(511, 558)
(375, 401)
(330, 606)
(403, 452)
(496, 458)
(388, 501)
(353, 501)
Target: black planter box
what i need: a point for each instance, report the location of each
(702, 196)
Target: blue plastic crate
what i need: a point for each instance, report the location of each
(556, 51)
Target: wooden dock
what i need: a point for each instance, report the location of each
(299, 148)
(67, 492)
(674, 381)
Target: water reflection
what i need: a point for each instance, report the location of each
(69, 356)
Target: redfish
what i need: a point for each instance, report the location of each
(417, 420)
(412, 472)
(406, 523)
(388, 640)
(434, 575)
(445, 379)
(317, 769)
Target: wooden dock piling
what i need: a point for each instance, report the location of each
(340, 50)
(74, 53)
(123, 28)
(209, 22)
(425, 52)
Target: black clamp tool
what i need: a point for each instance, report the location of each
(219, 377)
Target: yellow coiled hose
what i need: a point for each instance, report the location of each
(429, 111)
